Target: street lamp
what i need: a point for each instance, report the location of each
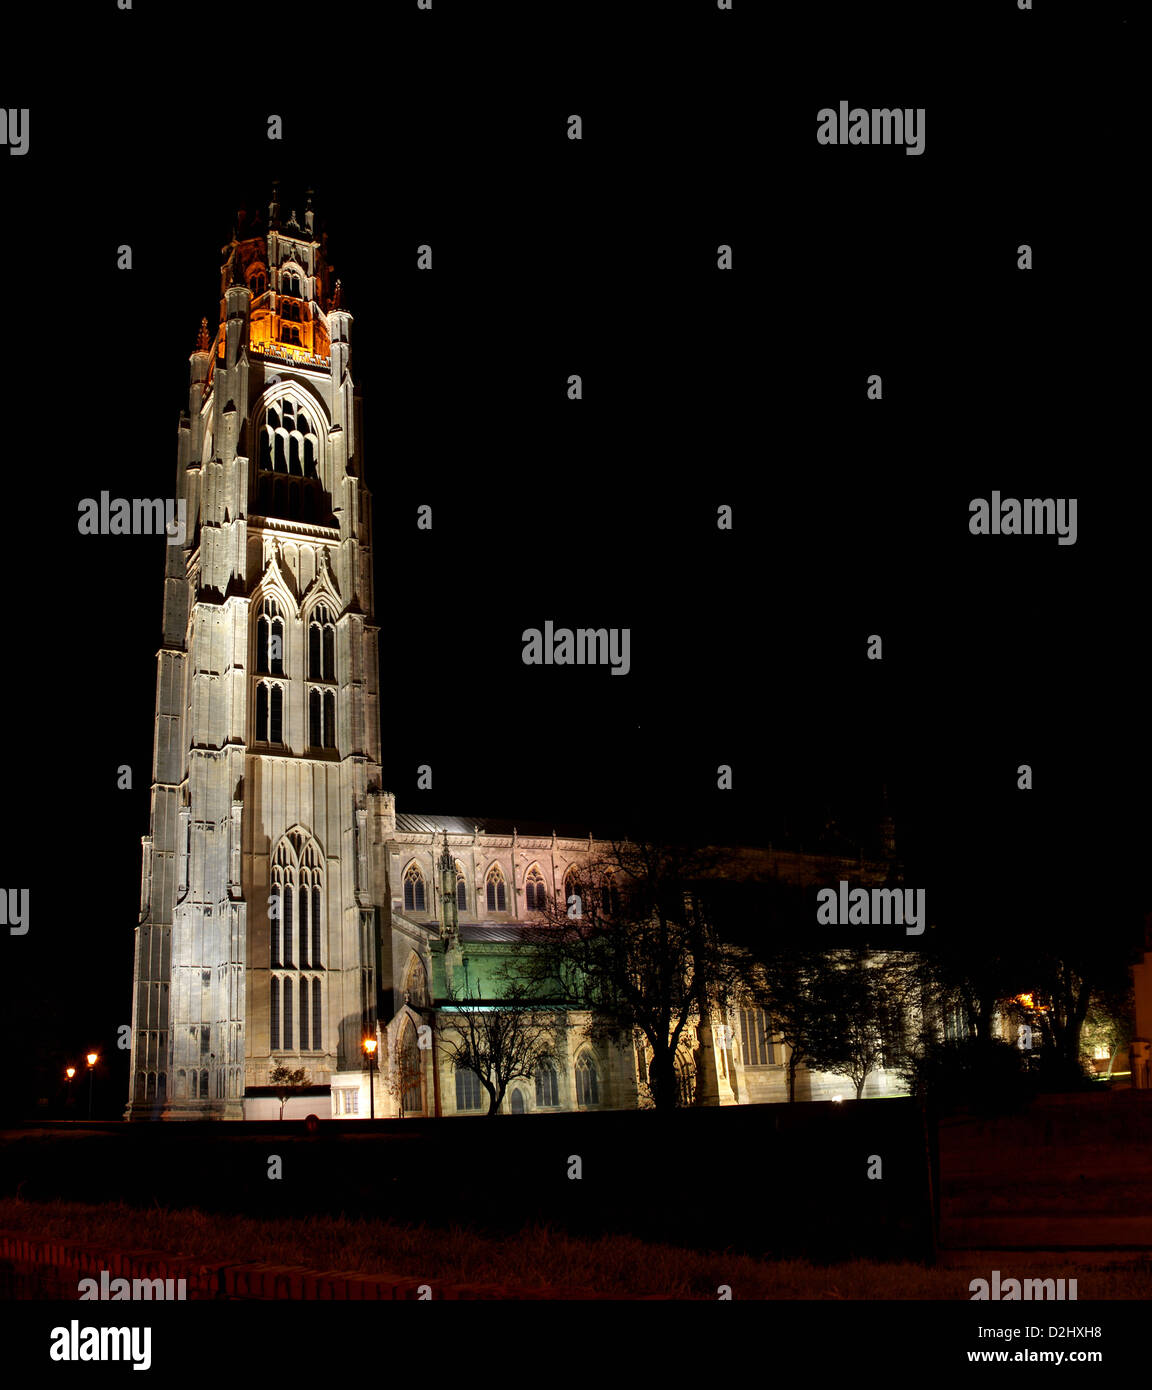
(69, 1072)
(93, 1058)
(370, 1049)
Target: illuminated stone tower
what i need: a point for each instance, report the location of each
(263, 873)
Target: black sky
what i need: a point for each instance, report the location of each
(552, 257)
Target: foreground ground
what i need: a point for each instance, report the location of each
(538, 1257)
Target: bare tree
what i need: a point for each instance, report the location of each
(787, 984)
(500, 1041)
(635, 945)
(862, 1001)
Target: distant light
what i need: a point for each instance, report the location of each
(93, 1058)
(69, 1072)
(837, 1099)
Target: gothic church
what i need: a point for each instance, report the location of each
(288, 911)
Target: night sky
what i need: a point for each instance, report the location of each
(701, 388)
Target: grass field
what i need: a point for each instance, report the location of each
(537, 1257)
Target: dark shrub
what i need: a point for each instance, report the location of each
(984, 1077)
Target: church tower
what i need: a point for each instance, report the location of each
(263, 877)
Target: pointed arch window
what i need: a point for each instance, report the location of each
(413, 889)
(461, 889)
(534, 890)
(572, 886)
(587, 1081)
(270, 639)
(495, 890)
(321, 645)
(547, 1089)
(609, 895)
(296, 937)
(416, 984)
(288, 442)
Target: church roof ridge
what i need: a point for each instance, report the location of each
(419, 823)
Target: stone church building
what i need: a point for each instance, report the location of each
(288, 910)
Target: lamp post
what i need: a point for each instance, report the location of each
(93, 1058)
(69, 1072)
(370, 1050)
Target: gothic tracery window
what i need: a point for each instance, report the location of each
(534, 890)
(416, 984)
(270, 639)
(547, 1092)
(296, 943)
(288, 442)
(587, 1081)
(572, 887)
(495, 890)
(321, 645)
(413, 889)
